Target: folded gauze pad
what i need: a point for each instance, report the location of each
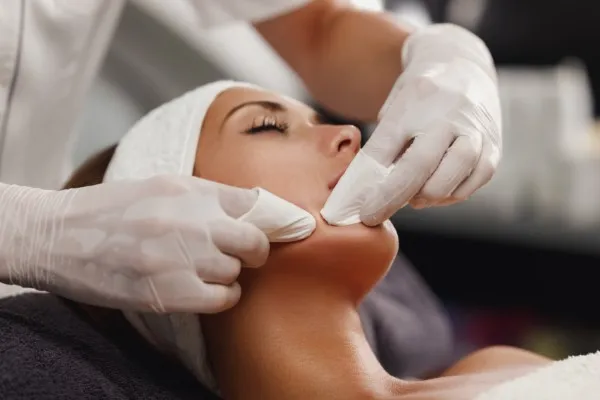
(164, 142)
(344, 203)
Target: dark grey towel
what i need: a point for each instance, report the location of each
(50, 351)
(406, 326)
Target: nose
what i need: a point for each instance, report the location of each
(345, 139)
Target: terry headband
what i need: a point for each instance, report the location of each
(164, 142)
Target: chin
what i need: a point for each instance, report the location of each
(353, 257)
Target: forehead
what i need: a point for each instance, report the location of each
(235, 96)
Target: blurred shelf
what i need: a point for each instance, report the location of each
(474, 256)
(464, 220)
(475, 272)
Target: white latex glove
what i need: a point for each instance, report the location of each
(446, 107)
(167, 244)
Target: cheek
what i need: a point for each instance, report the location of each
(286, 169)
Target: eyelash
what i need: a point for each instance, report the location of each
(267, 124)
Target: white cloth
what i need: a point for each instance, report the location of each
(575, 378)
(343, 205)
(165, 142)
(50, 53)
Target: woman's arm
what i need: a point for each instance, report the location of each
(329, 43)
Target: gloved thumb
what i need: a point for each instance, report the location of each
(190, 294)
(388, 140)
(279, 219)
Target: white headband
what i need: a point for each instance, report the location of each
(163, 142)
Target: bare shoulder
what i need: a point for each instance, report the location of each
(473, 375)
(495, 358)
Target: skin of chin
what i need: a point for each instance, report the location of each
(352, 258)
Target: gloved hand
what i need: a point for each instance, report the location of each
(166, 244)
(440, 127)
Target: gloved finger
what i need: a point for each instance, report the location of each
(460, 159)
(236, 201)
(222, 268)
(446, 202)
(209, 298)
(406, 179)
(220, 297)
(387, 142)
(419, 203)
(185, 292)
(241, 240)
(483, 172)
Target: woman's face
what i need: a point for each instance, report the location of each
(254, 138)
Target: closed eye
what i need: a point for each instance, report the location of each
(268, 126)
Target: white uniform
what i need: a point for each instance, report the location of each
(50, 53)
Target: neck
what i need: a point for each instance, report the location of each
(295, 338)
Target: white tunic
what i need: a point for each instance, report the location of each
(50, 53)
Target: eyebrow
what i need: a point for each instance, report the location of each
(319, 118)
(267, 105)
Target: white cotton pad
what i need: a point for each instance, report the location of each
(164, 142)
(292, 222)
(345, 201)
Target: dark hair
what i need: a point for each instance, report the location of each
(92, 171)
